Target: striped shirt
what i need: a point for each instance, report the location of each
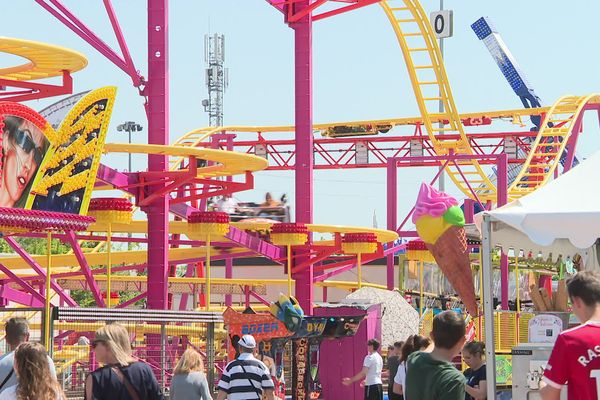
(245, 378)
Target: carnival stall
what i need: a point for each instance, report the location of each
(560, 219)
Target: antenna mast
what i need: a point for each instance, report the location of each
(217, 78)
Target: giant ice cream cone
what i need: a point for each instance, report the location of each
(440, 222)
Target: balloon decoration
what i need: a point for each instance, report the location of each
(289, 234)
(202, 225)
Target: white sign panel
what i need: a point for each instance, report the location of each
(442, 23)
(544, 328)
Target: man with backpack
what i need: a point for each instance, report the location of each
(246, 377)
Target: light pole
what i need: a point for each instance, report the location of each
(129, 126)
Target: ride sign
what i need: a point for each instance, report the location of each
(442, 23)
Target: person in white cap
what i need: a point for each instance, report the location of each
(246, 378)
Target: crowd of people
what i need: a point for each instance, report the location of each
(28, 373)
(419, 368)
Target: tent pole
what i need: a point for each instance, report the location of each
(488, 306)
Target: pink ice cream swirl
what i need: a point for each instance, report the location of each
(432, 202)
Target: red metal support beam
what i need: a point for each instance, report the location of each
(64, 15)
(39, 270)
(342, 10)
(24, 284)
(35, 90)
(85, 269)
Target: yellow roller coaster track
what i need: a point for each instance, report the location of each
(430, 84)
(45, 61)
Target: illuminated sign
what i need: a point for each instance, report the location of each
(53, 170)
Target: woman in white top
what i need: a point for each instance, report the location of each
(371, 373)
(412, 344)
(35, 380)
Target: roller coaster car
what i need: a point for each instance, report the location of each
(250, 210)
(355, 130)
(477, 121)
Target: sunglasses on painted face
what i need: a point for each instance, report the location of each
(24, 140)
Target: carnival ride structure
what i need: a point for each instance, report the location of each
(215, 161)
(562, 124)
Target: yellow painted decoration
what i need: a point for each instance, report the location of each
(201, 230)
(431, 228)
(44, 60)
(359, 247)
(112, 216)
(79, 140)
(10, 230)
(288, 239)
(226, 163)
(420, 255)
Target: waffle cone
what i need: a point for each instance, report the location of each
(452, 256)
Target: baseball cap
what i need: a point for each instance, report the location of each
(247, 341)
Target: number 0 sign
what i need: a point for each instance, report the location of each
(441, 21)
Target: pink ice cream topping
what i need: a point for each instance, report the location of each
(432, 202)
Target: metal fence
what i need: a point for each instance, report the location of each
(158, 337)
(35, 317)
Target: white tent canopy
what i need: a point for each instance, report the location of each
(561, 218)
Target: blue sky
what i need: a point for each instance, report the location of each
(359, 73)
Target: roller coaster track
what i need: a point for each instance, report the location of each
(430, 84)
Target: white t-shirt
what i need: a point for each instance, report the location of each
(374, 362)
(400, 377)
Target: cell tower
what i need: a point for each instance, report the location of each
(216, 77)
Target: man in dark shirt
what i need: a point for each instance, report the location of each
(392, 365)
(432, 376)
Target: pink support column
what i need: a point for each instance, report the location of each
(229, 261)
(392, 215)
(304, 143)
(157, 91)
(469, 210)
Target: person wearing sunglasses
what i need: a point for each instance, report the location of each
(23, 149)
(122, 377)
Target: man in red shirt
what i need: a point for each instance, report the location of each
(575, 359)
